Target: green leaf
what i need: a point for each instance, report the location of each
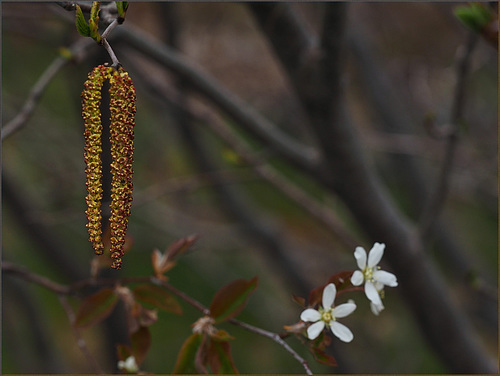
(94, 11)
(96, 308)
(220, 359)
(230, 300)
(141, 343)
(81, 25)
(121, 6)
(475, 16)
(158, 297)
(186, 359)
(94, 31)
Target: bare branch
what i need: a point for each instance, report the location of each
(349, 174)
(39, 88)
(80, 341)
(438, 196)
(62, 291)
(287, 147)
(276, 338)
(9, 268)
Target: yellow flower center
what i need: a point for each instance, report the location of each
(326, 316)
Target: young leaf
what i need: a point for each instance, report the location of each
(141, 342)
(341, 280)
(220, 359)
(158, 297)
(94, 11)
(81, 25)
(323, 357)
(96, 308)
(230, 300)
(123, 351)
(121, 6)
(180, 246)
(221, 335)
(185, 363)
(475, 16)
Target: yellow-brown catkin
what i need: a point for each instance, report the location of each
(122, 108)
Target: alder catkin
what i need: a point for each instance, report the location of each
(122, 109)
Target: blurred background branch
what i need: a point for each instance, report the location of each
(249, 116)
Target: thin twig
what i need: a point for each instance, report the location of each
(61, 290)
(108, 30)
(116, 64)
(80, 341)
(276, 338)
(10, 268)
(253, 122)
(437, 198)
(39, 88)
(269, 174)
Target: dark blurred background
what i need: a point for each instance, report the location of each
(43, 181)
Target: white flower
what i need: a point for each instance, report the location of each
(327, 316)
(370, 273)
(376, 308)
(128, 365)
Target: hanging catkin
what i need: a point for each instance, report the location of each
(122, 109)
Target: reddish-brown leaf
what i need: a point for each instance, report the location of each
(123, 352)
(96, 308)
(220, 359)
(230, 300)
(185, 363)
(322, 357)
(141, 342)
(341, 280)
(181, 246)
(158, 297)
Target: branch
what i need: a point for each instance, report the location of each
(438, 197)
(200, 307)
(62, 290)
(38, 89)
(10, 268)
(276, 338)
(80, 341)
(398, 119)
(269, 174)
(353, 179)
(234, 107)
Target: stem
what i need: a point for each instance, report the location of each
(108, 30)
(437, 199)
(38, 89)
(82, 345)
(61, 290)
(276, 338)
(116, 63)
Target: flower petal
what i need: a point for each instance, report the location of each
(376, 254)
(372, 293)
(341, 331)
(360, 255)
(310, 315)
(385, 278)
(315, 329)
(343, 310)
(357, 278)
(329, 295)
(376, 309)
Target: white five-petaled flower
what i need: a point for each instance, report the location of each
(128, 365)
(327, 315)
(370, 273)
